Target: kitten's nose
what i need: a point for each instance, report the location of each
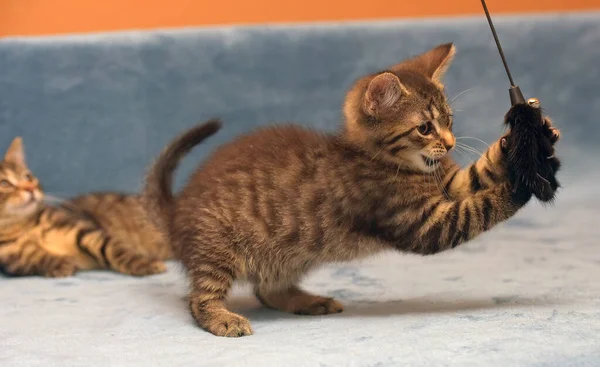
(28, 187)
(448, 144)
(448, 140)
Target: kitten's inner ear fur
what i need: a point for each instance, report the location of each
(15, 153)
(382, 93)
(433, 63)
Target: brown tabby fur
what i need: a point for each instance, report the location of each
(94, 231)
(272, 205)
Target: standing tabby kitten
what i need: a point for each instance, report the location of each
(272, 205)
(94, 231)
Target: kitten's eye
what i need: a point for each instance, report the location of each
(425, 128)
(29, 177)
(5, 183)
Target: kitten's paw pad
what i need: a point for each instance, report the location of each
(228, 324)
(144, 266)
(321, 306)
(61, 269)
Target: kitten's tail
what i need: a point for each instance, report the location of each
(158, 195)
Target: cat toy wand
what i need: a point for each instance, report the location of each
(516, 96)
(529, 149)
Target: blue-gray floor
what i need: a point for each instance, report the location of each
(93, 111)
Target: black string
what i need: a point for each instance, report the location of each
(487, 14)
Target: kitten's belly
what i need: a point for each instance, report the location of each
(61, 244)
(277, 264)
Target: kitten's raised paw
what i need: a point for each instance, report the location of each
(64, 267)
(552, 133)
(228, 324)
(321, 306)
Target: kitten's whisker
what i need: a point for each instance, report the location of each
(460, 150)
(470, 137)
(441, 175)
(55, 200)
(474, 151)
(460, 94)
(375, 156)
(397, 171)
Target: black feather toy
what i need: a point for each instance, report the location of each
(530, 152)
(529, 145)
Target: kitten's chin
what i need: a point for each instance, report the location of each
(424, 163)
(25, 209)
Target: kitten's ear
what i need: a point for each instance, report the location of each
(383, 92)
(15, 153)
(433, 63)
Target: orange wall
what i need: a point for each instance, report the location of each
(38, 17)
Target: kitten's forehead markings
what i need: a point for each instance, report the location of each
(435, 113)
(431, 114)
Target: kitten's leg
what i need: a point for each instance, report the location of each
(30, 259)
(211, 280)
(212, 266)
(552, 133)
(115, 255)
(442, 223)
(488, 171)
(295, 300)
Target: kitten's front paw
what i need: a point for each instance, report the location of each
(552, 133)
(60, 268)
(228, 324)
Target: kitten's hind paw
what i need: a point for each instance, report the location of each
(143, 266)
(300, 302)
(61, 268)
(322, 306)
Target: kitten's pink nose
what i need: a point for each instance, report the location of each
(448, 140)
(27, 187)
(448, 144)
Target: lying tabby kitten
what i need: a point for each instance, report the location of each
(272, 205)
(95, 231)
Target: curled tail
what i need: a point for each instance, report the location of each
(158, 195)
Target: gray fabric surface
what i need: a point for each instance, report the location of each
(94, 110)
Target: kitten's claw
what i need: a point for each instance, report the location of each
(552, 132)
(503, 144)
(555, 135)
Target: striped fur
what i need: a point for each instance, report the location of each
(94, 231)
(272, 205)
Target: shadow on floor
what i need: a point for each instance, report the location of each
(250, 308)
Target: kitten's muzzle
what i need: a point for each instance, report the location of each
(430, 162)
